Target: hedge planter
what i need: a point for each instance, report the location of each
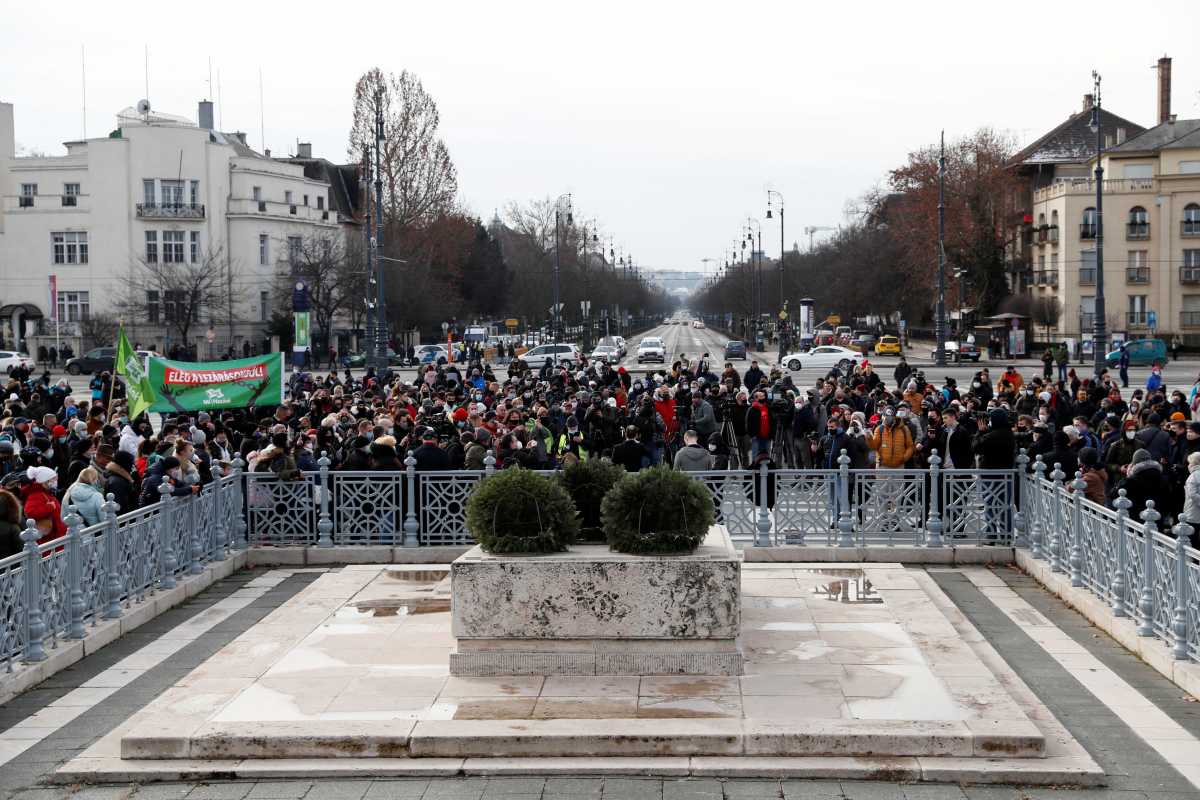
(588, 482)
(518, 511)
(657, 510)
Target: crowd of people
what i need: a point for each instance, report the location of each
(694, 414)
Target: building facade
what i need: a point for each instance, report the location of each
(1151, 227)
(101, 230)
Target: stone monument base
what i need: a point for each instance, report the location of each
(590, 611)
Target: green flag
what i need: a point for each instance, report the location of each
(137, 383)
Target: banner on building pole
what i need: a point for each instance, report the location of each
(302, 339)
(54, 297)
(216, 385)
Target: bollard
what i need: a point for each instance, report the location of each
(763, 539)
(220, 534)
(76, 606)
(1020, 536)
(1056, 542)
(166, 535)
(196, 543)
(1146, 602)
(1036, 523)
(845, 521)
(112, 559)
(411, 527)
(35, 625)
(1179, 614)
(325, 524)
(933, 526)
(1076, 551)
(1120, 576)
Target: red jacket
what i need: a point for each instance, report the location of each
(43, 507)
(666, 409)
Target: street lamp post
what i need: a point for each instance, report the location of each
(558, 216)
(781, 250)
(940, 322)
(381, 320)
(1099, 329)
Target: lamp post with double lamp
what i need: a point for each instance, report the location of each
(379, 356)
(756, 261)
(939, 353)
(562, 212)
(1099, 331)
(771, 192)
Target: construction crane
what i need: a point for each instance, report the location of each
(811, 229)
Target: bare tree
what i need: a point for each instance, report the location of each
(335, 280)
(1046, 311)
(98, 330)
(171, 289)
(419, 179)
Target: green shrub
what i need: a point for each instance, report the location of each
(518, 511)
(588, 482)
(657, 510)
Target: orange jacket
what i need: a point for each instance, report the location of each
(894, 445)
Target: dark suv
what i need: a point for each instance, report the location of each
(96, 360)
(735, 349)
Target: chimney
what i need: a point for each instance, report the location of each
(205, 115)
(267, 152)
(1164, 90)
(1088, 100)
(303, 149)
(240, 136)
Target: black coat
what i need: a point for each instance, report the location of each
(629, 454)
(996, 448)
(120, 486)
(959, 449)
(431, 457)
(1145, 482)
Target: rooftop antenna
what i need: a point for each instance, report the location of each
(210, 91)
(262, 125)
(220, 125)
(83, 71)
(147, 63)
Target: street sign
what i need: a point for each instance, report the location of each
(834, 319)
(783, 314)
(511, 323)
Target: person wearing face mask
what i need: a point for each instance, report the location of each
(892, 441)
(934, 439)
(39, 497)
(81, 458)
(1120, 453)
(164, 469)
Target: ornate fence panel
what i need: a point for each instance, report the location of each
(1192, 608)
(1166, 588)
(977, 506)
(13, 609)
(280, 513)
(805, 506)
(442, 502)
(367, 507)
(1098, 541)
(55, 587)
(888, 506)
(94, 575)
(139, 553)
(733, 500)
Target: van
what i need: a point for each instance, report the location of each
(1142, 353)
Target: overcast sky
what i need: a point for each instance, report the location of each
(666, 120)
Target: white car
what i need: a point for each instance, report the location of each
(824, 357)
(652, 349)
(10, 360)
(699, 323)
(560, 353)
(608, 353)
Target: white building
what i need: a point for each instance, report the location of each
(158, 189)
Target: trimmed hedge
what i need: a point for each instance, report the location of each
(657, 510)
(518, 511)
(588, 482)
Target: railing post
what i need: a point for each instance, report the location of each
(489, 464)
(933, 526)
(324, 524)
(412, 528)
(845, 522)
(166, 534)
(1056, 538)
(196, 544)
(1118, 581)
(1036, 523)
(239, 482)
(1076, 552)
(1146, 602)
(112, 559)
(1179, 613)
(1020, 517)
(763, 539)
(75, 604)
(35, 625)
(221, 535)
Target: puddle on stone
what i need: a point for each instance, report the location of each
(416, 575)
(852, 586)
(394, 607)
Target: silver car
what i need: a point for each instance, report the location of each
(652, 349)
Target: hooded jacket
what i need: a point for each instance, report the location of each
(44, 509)
(893, 444)
(120, 484)
(692, 458)
(86, 501)
(1144, 482)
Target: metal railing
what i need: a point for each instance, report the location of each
(1138, 275)
(170, 210)
(1087, 276)
(1189, 227)
(1137, 230)
(57, 589)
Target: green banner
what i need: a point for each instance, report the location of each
(301, 342)
(216, 385)
(137, 387)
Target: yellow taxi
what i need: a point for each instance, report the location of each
(887, 345)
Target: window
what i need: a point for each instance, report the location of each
(69, 247)
(172, 247)
(264, 306)
(1190, 315)
(1190, 271)
(257, 193)
(194, 193)
(70, 195)
(1138, 226)
(194, 246)
(263, 249)
(1191, 220)
(1136, 270)
(1138, 171)
(295, 246)
(1137, 309)
(175, 306)
(172, 193)
(1087, 229)
(148, 191)
(28, 192)
(1137, 214)
(151, 247)
(151, 305)
(73, 306)
(1087, 268)
(305, 200)
(320, 203)
(287, 197)
(1189, 167)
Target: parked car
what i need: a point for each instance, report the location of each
(1142, 353)
(887, 345)
(863, 342)
(560, 353)
(100, 359)
(823, 357)
(965, 351)
(608, 353)
(697, 323)
(432, 354)
(735, 349)
(652, 348)
(10, 360)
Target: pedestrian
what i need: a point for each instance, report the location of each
(1048, 362)
(692, 457)
(10, 524)
(54, 357)
(1123, 366)
(1063, 359)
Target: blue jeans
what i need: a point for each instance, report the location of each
(653, 455)
(761, 444)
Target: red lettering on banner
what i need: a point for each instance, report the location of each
(200, 377)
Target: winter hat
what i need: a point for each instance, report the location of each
(59, 430)
(1130, 425)
(1155, 419)
(41, 474)
(169, 463)
(999, 418)
(1141, 455)
(1178, 417)
(199, 437)
(124, 460)
(1089, 457)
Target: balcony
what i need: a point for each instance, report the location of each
(1087, 230)
(1137, 319)
(1087, 186)
(1189, 319)
(1189, 227)
(280, 210)
(1087, 276)
(1046, 277)
(1137, 275)
(1052, 234)
(1087, 321)
(170, 211)
(1189, 274)
(1136, 231)
(1042, 235)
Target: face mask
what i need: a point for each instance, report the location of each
(1193, 436)
(1043, 417)
(62, 440)
(1129, 434)
(975, 385)
(1028, 392)
(712, 448)
(902, 414)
